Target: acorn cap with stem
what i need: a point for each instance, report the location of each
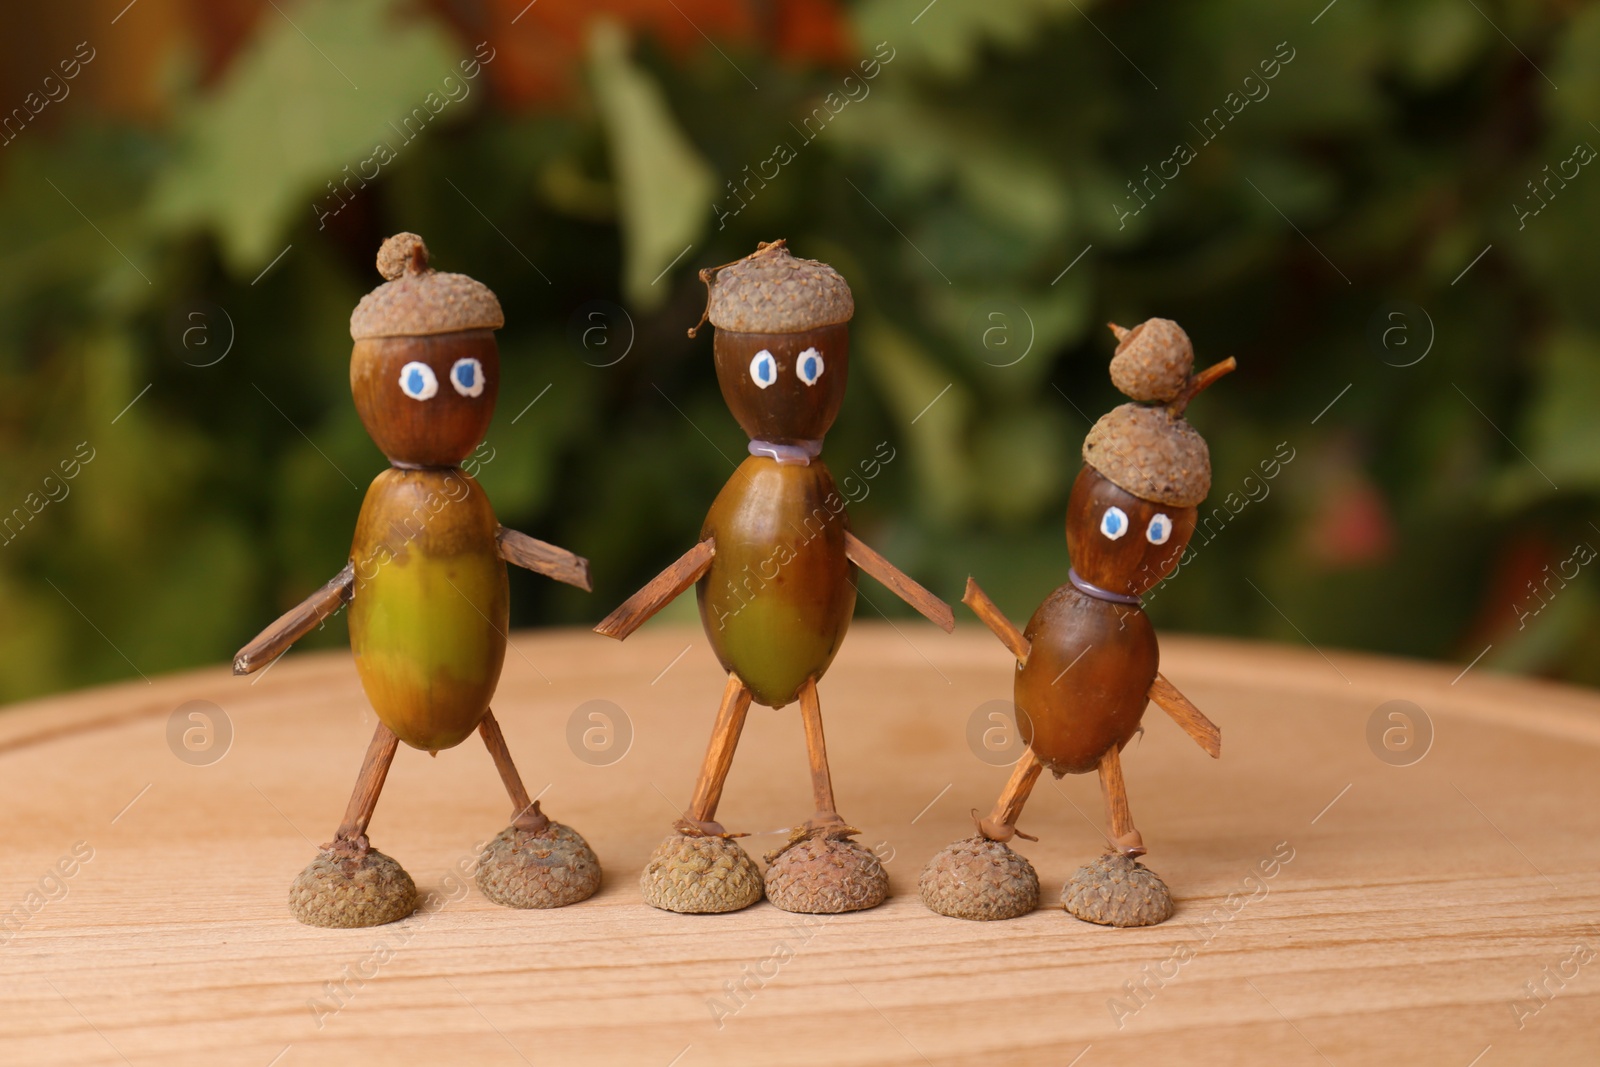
(417, 300)
(771, 291)
(1150, 450)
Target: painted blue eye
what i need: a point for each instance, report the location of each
(467, 377)
(418, 381)
(1159, 530)
(763, 369)
(1114, 523)
(809, 366)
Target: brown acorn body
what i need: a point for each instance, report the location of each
(431, 604)
(1087, 681)
(780, 592)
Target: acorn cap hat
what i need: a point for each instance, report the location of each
(1148, 448)
(771, 291)
(417, 300)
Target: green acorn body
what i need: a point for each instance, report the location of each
(431, 605)
(780, 592)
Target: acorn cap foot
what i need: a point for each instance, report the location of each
(346, 891)
(825, 876)
(548, 868)
(700, 875)
(1117, 890)
(976, 878)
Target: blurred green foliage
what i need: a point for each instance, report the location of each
(975, 189)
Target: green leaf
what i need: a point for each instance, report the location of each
(325, 87)
(663, 185)
(949, 36)
(1565, 437)
(931, 409)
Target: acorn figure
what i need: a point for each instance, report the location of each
(426, 584)
(776, 573)
(1087, 661)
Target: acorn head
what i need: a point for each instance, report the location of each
(425, 369)
(1132, 509)
(1121, 542)
(782, 344)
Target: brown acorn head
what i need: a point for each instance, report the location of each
(782, 345)
(1132, 509)
(1121, 542)
(425, 370)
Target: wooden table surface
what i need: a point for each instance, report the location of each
(1417, 903)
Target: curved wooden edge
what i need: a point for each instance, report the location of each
(1538, 706)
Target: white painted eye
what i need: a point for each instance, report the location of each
(1159, 530)
(418, 381)
(809, 366)
(467, 377)
(1114, 523)
(763, 369)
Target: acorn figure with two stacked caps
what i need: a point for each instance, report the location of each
(776, 573)
(426, 585)
(1087, 661)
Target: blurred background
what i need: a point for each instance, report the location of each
(1385, 211)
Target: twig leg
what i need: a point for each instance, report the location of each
(1001, 825)
(525, 813)
(352, 833)
(827, 814)
(719, 758)
(1124, 836)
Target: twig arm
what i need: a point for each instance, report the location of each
(1206, 734)
(295, 623)
(929, 606)
(541, 557)
(995, 619)
(659, 591)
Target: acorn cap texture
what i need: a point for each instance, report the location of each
(699, 875)
(1152, 453)
(418, 300)
(826, 876)
(549, 868)
(771, 291)
(976, 878)
(1153, 361)
(344, 891)
(1117, 890)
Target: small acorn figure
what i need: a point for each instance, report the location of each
(426, 584)
(1087, 660)
(775, 570)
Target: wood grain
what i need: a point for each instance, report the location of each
(1414, 904)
